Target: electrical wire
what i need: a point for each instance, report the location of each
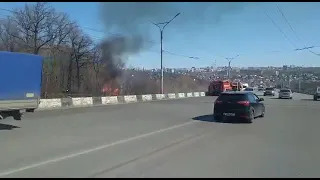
(275, 24)
(294, 32)
(288, 23)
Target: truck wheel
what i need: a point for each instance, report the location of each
(16, 115)
(30, 110)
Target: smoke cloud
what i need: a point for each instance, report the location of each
(132, 20)
(131, 16)
(113, 50)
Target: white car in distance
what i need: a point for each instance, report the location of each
(285, 94)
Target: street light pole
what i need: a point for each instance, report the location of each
(229, 64)
(161, 28)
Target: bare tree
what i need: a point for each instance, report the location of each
(38, 25)
(98, 65)
(6, 28)
(81, 48)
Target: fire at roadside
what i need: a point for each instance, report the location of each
(113, 50)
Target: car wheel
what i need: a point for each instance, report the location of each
(16, 115)
(262, 114)
(251, 116)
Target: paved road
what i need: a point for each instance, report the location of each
(173, 138)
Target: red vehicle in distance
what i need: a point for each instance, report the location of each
(217, 87)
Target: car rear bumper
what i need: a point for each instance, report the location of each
(228, 114)
(268, 93)
(288, 97)
(285, 96)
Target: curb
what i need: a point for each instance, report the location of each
(51, 104)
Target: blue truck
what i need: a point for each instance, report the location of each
(20, 78)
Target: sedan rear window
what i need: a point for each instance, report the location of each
(232, 97)
(285, 90)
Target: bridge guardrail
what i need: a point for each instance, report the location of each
(93, 101)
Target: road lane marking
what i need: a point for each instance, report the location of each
(92, 150)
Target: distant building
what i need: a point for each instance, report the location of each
(284, 67)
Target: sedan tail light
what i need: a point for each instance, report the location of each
(245, 103)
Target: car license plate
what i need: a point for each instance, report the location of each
(228, 114)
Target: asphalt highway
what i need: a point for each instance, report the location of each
(171, 138)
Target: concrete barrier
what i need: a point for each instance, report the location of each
(50, 103)
(160, 96)
(82, 101)
(130, 98)
(189, 94)
(147, 97)
(91, 101)
(181, 95)
(172, 96)
(109, 100)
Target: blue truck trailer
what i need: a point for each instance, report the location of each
(20, 78)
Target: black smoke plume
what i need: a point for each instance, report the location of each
(114, 48)
(133, 19)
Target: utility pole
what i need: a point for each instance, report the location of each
(289, 83)
(300, 77)
(229, 65)
(161, 28)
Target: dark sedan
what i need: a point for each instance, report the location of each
(238, 105)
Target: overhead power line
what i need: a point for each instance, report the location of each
(288, 23)
(275, 24)
(294, 32)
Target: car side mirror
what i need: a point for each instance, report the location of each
(261, 99)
